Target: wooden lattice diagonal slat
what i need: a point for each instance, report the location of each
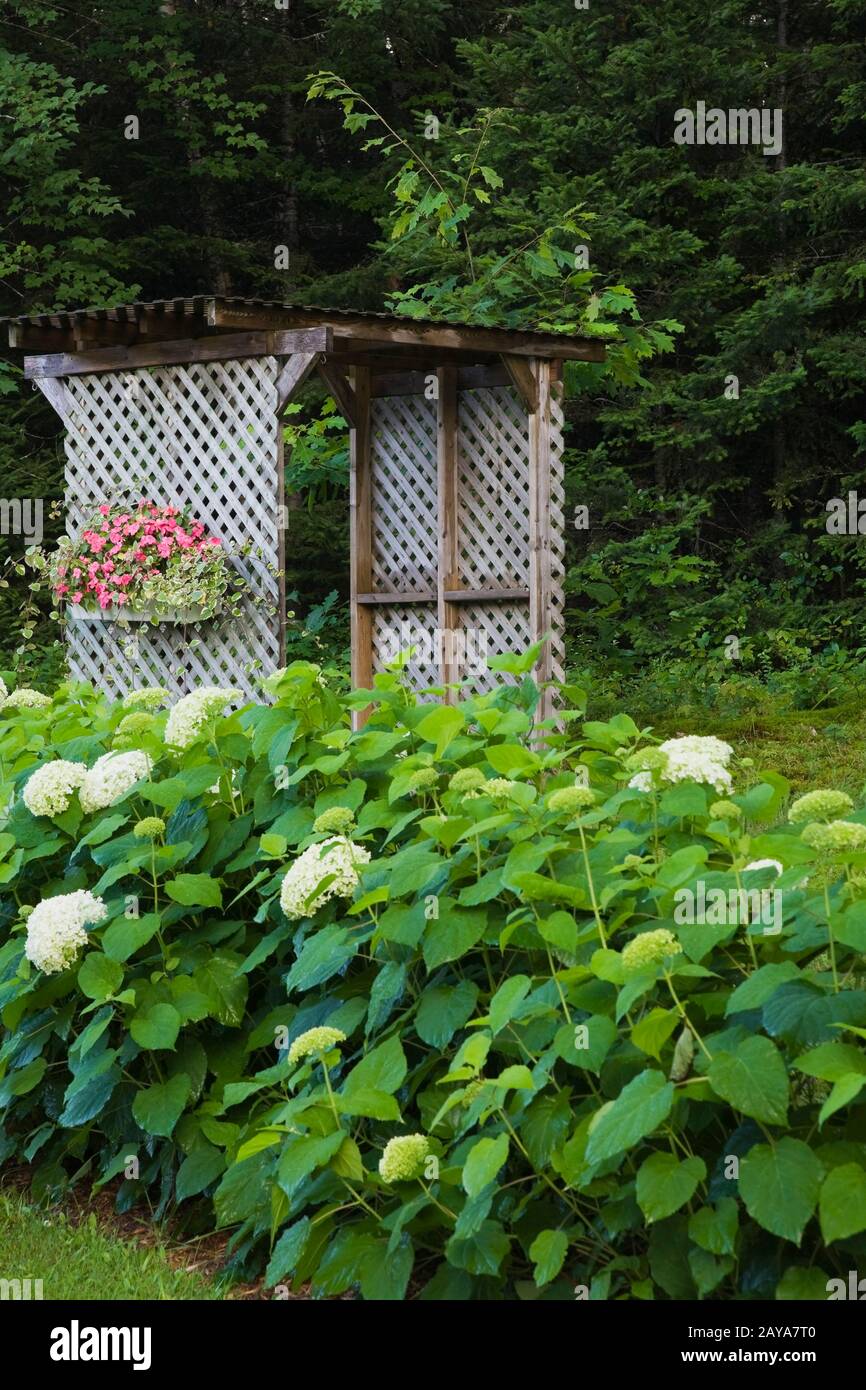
(493, 490)
(403, 468)
(495, 477)
(202, 437)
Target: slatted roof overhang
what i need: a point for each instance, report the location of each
(380, 340)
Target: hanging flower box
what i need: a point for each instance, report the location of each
(141, 563)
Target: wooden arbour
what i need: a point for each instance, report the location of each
(456, 500)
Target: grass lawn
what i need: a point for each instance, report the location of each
(81, 1260)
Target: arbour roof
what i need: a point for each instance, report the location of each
(356, 333)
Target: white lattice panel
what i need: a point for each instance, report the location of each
(398, 626)
(204, 438)
(556, 599)
(493, 490)
(490, 629)
(404, 506)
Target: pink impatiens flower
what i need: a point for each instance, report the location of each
(123, 549)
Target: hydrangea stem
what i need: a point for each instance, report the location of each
(681, 1010)
(592, 896)
(832, 942)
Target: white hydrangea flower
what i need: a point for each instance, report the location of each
(192, 712)
(3, 689)
(404, 1157)
(51, 788)
(642, 781)
(840, 836)
(649, 949)
(25, 698)
(692, 758)
(111, 777)
(148, 697)
(764, 864)
(56, 929)
(337, 856)
(698, 759)
(315, 1040)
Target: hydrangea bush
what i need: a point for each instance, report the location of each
(418, 1010)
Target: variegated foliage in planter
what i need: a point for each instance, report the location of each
(142, 563)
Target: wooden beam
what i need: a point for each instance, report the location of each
(414, 334)
(388, 383)
(26, 337)
(451, 595)
(449, 557)
(399, 360)
(523, 381)
(485, 595)
(219, 348)
(97, 333)
(406, 357)
(337, 383)
(361, 538)
(374, 600)
(293, 376)
(56, 394)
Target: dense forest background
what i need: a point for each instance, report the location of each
(706, 466)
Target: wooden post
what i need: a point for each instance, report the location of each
(361, 538)
(540, 612)
(293, 375)
(448, 613)
(55, 393)
(223, 348)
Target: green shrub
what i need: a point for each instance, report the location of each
(429, 1008)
